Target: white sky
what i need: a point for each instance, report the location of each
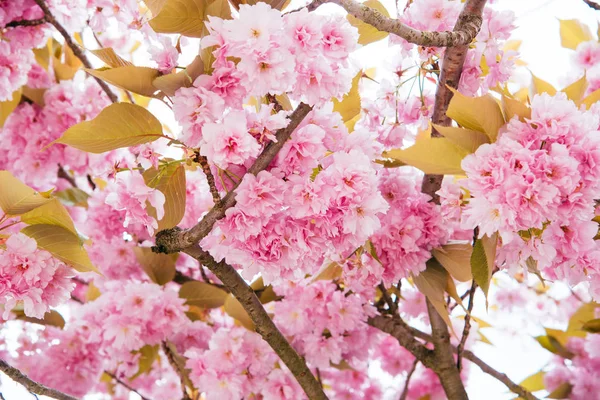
(538, 28)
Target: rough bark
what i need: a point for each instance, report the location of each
(31, 385)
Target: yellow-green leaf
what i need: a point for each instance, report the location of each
(135, 79)
(118, 125)
(155, 5)
(159, 267)
(592, 326)
(8, 106)
(277, 4)
(218, 8)
(170, 180)
(534, 382)
(62, 244)
(482, 261)
(92, 292)
(432, 156)
(591, 98)
(573, 32)
(513, 107)
(73, 197)
(170, 83)
(563, 391)
(583, 314)
(110, 57)
(350, 105)
(202, 294)
(17, 198)
(185, 17)
(234, 309)
(466, 138)
(539, 86)
(576, 90)
(51, 318)
(51, 213)
(432, 283)
(456, 259)
(35, 95)
(330, 272)
(481, 114)
(148, 354)
(368, 33)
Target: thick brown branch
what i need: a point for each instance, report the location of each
(31, 385)
(592, 4)
(172, 241)
(395, 327)
(74, 47)
(26, 22)
(470, 23)
(265, 327)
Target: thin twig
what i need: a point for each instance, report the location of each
(125, 385)
(26, 22)
(388, 300)
(265, 327)
(404, 394)
(592, 4)
(470, 23)
(32, 385)
(65, 175)
(182, 377)
(467, 328)
(74, 47)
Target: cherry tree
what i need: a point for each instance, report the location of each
(256, 213)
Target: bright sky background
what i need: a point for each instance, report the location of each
(518, 356)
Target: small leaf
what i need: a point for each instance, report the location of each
(170, 83)
(51, 318)
(432, 156)
(592, 326)
(583, 314)
(110, 57)
(481, 114)
(17, 198)
(92, 292)
(591, 98)
(368, 33)
(8, 106)
(159, 267)
(148, 354)
(456, 259)
(201, 294)
(170, 180)
(234, 309)
(51, 213)
(73, 197)
(185, 17)
(539, 86)
(563, 391)
(118, 125)
(576, 90)
(62, 244)
(432, 283)
(134, 79)
(35, 95)
(514, 108)
(552, 344)
(573, 32)
(468, 139)
(482, 261)
(534, 382)
(329, 273)
(350, 106)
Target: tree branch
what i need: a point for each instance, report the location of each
(265, 327)
(31, 385)
(467, 328)
(470, 23)
(203, 161)
(166, 348)
(125, 385)
(74, 47)
(174, 240)
(26, 22)
(592, 4)
(404, 394)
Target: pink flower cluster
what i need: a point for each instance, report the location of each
(30, 128)
(302, 53)
(239, 363)
(411, 228)
(537, 187)
(325, 324)
(32, 276)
